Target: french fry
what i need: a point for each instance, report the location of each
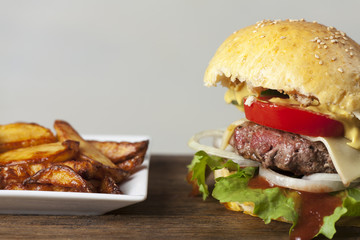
(87, 151)
(61, 176)
(121, 151)
(50, 152)
(19, 135)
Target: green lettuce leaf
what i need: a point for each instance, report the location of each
(201, 163)
(352, 202)
(270, 203)
(328, 228)
(350, 208)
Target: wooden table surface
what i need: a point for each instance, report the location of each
(168, 213)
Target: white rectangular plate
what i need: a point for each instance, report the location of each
(74, 203)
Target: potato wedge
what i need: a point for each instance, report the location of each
(87, 151)
(84, 168)
(61, 176)
(108, 185)
(19, 172)
(93, 170)
(50, 152)
(19, 135)
(130, 164)
(121, 151)
(40, 187)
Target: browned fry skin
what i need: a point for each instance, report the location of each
(40, 187)
(87, 151)
(91, 173)
(121, 151)
(61, 176)
(93, 170)
(50, 152)
(117, 174)
(18, 173)
(108, 185)
(84, 168)
(130, 164)
(19, 135)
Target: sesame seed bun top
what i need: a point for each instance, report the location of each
(293, 56)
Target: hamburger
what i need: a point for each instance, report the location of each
(295, 157)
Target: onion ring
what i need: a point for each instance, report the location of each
(315, 186)
(326, 177)
(195, 144)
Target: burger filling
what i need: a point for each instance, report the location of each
(280, 150)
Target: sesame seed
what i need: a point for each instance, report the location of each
(262, 36)
(331, 37)
(322, 43)
(342, 33)
(334, 41)
(346, 50)
(326, 38)
(282, 37)
(319, 46)
(340, 70)
(321, 62)
(351, 54)
(325, 46)
(351, 48)
(254, 31)
(317, 56)
(318, 41)
(333, 59)
(345, 38)
(314, 21)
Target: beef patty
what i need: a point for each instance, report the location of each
(277, 149)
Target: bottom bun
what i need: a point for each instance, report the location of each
(247, 208)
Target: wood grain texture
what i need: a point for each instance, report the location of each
(168, 213)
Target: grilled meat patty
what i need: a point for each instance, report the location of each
(281, 150)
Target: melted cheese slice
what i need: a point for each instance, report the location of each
(346, 159)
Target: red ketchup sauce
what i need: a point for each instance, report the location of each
(313, 208)
(259, 182)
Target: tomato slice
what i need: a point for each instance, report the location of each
(293, 119)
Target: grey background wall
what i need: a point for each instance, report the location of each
(131, 67)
